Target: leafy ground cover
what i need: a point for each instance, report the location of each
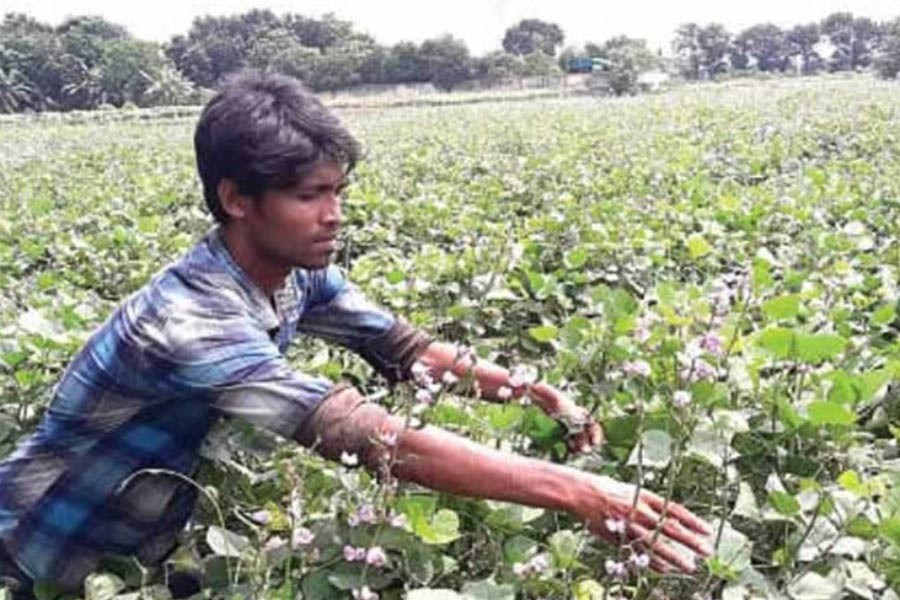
(713, 271)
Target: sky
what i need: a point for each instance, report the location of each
(480, 23)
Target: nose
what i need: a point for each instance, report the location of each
(331, 210)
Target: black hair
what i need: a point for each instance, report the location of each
(265, 131)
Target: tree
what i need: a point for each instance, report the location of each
(498, 66)
(854, 40)
(626, 58)
(714, 41)
(445, 61)
(764, 45)
(887, 62)
(15, 91)
(84, 37)
(533, 35)
(168, 87)
(404, 64)
(319, 34)
(687, 48)
(538, 64)
(128, 68)
(801, 42)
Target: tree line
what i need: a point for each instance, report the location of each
(87, 61)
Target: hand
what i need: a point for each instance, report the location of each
(611, 513)
(583, 432)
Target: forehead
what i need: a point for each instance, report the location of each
(324, 172)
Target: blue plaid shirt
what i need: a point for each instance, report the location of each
(199, 341)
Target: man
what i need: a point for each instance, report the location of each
(206, 338)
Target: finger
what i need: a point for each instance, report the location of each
(660, 567)
(679, 512)
(650, 519)
(596, 433)
(661, 551)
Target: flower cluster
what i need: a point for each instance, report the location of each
(373, 556)
(535, 565)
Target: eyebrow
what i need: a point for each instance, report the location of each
(325, 186)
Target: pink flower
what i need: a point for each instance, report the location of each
(352, 554)
(261, 516)
(273, 544)
(302, 537)
(712, 343)
(448, 378)
(637, 368)
(423, 396)
(504, 393)
(376, 557)
(366, 514)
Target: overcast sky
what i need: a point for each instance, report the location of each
(480, 23)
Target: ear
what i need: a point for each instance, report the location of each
(233, 202)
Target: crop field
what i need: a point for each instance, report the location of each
(713, 271)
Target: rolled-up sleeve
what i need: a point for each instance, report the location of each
(339, 312)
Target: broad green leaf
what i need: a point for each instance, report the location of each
(778, 341)
(564, 546)
(544, 333)
(434, 594)
(443, 528)
(587, 589)
(488, 590)
(883, 315)
(818, 348)
(782, 307)
(784, 503)
(828, 413)
(655, 451)
(697, 246)
(576, 257)
(812, 586)
(102, 586)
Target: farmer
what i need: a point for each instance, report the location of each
(206, 337)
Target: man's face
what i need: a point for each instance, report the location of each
(298, 226)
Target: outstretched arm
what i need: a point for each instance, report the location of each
(446, 462)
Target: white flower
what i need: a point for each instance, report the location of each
(615, 568)
(302, 536)
(273, 544)
(261, 516)
(376, 557)
(398, 521)
(351, 460)
(640, 560)
(681, 398)
(520, 569)
(423, 396)
(364, 593)
(521, 375)
(419, 370)
(539, 562)
(387, 438)
(504, 393)
(615, 525)
(641, 333)
(448, 378)
(637, 368)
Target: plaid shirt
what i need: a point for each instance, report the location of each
(199, 341)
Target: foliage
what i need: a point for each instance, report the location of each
(627, 59)
(533, 35)
(741, 242)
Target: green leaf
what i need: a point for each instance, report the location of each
(890, 530)
(443, 528)
(226, 543)
(587, 589)
(883, 315)
(697, 246)
(518, 549)
(656, 450)
(784, 503)
(777, 340)
(488, 590)
(564, 547)
(782, 307)
(823, 412)
(818, 348)
(544, 333)
(575, 258)
(434, 594)
(102, 586)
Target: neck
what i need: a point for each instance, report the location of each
(268, 275)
